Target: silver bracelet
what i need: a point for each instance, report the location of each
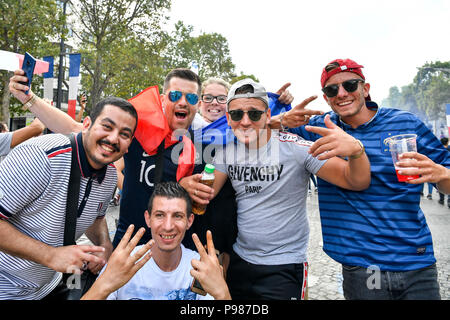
(283, 128)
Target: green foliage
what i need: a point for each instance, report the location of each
(209, 51)
(432, 88)
(243, 76)
(427, 95)
(122, 44)
(118, 40)
(26, 26)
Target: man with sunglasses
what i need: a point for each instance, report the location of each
(379, 235)
(180, 98)
(269, 172)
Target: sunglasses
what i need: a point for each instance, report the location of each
(333, 89)
(208, 98)
(191, 98)
(254, 115)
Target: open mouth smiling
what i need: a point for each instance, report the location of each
(181, 114)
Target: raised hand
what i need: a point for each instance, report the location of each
(285, 97)
(122, 266)
(18, 89)
(298, 115)
(208, 270)
(334, 141)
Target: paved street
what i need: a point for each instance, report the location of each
(325, 281)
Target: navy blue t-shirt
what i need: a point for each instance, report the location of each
(138, 184)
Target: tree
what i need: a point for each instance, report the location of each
(432, 84)
(113, 38)
(427, 94)
(393, 100)
(26, 26)
(243, 76)
(209, 51)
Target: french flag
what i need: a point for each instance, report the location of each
(12, 61)
(48, 78)
(74, 80)
(448, 117)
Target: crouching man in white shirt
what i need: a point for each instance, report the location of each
(168, 270)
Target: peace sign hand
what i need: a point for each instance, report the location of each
(208, 270)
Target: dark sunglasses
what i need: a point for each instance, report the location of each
(333, 89)
(254, 115)
(208, 98)
(191, 98)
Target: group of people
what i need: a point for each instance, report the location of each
(256, 215)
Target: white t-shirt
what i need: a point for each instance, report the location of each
(199, 122)
(151, 283)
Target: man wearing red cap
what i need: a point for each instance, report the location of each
(379, 235)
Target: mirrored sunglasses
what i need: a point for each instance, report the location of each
(191, 98)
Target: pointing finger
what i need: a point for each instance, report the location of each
(201, 250)
(330, 124)
(283, 88)
(210, 243)
(305, 102)
(319, 130)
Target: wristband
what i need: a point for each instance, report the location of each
(283, 128)
(27, 105)
(356, 156)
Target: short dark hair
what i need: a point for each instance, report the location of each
(444, 141)
(331, 66)
(117, 102)
(3, 127)
(170, 190)
(185, 74)
(246, 88)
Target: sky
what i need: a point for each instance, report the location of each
(283, 41)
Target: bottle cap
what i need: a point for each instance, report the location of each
(209, 168)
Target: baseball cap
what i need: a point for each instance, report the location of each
(345, 65)
(259, 92)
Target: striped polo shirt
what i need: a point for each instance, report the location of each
(33, 192)
(5, 142)
(383, 225)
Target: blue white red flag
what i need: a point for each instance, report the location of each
(448, 117)
(12, 61)
(74, 80)
(48, 78)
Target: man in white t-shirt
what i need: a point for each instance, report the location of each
(167, 272)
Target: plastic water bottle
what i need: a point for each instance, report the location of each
(208, 179)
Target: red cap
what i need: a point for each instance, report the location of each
(345, 65)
